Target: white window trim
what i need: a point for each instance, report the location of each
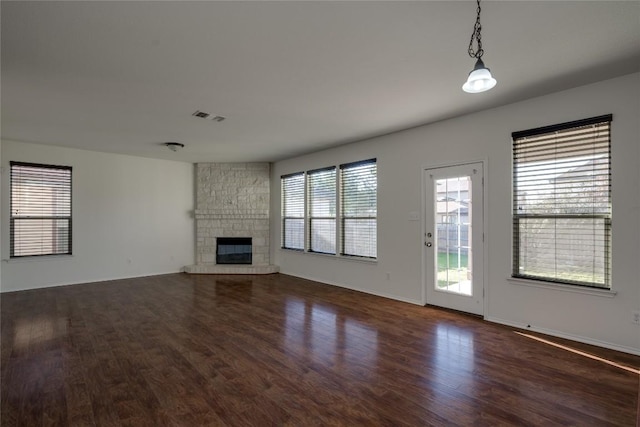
(606, 293)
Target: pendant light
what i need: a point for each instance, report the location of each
(480, 78)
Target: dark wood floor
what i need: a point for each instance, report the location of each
(277, 350)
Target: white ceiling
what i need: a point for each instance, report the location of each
(290, 77)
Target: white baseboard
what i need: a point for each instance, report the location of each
(94, 280)
(554, 333)
(366, 291)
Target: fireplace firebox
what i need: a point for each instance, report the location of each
(233, 250)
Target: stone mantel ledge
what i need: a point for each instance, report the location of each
(229, 214)
(231, 217)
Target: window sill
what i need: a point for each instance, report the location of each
(563, 288)
(340, 257)
(363, 260)
(37, 258)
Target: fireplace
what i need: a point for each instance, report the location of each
(233, 250)
(232, 201)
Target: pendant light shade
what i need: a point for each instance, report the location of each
(480, 79)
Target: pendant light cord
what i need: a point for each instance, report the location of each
(477, 28)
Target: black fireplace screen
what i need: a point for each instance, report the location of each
(233, 250)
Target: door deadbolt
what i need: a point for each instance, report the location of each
(429, 234)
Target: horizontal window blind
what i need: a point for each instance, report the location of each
(40, 221)
(359, 208)
(293, 211)
(562, 203)
(322, 210)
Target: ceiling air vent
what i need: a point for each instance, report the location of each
(203, 115)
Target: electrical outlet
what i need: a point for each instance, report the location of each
(635, 317)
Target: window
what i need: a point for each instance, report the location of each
(293, 211)
(358, 208)
(562, 203)
(40, 222)
(322, 210)
(310, 207)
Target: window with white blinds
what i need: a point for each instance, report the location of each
(359, 208)
(293, 211)
(562, 203)
(321, 193)
(40, 222)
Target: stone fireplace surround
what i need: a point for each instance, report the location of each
(232, 200)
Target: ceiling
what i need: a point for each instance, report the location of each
(290, 77)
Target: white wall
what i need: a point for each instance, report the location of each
(1, 210)
(132, 217)
(487, 135)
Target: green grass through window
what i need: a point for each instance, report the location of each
(453, 272)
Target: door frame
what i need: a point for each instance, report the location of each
(485, 216)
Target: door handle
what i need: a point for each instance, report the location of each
(427, 244)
